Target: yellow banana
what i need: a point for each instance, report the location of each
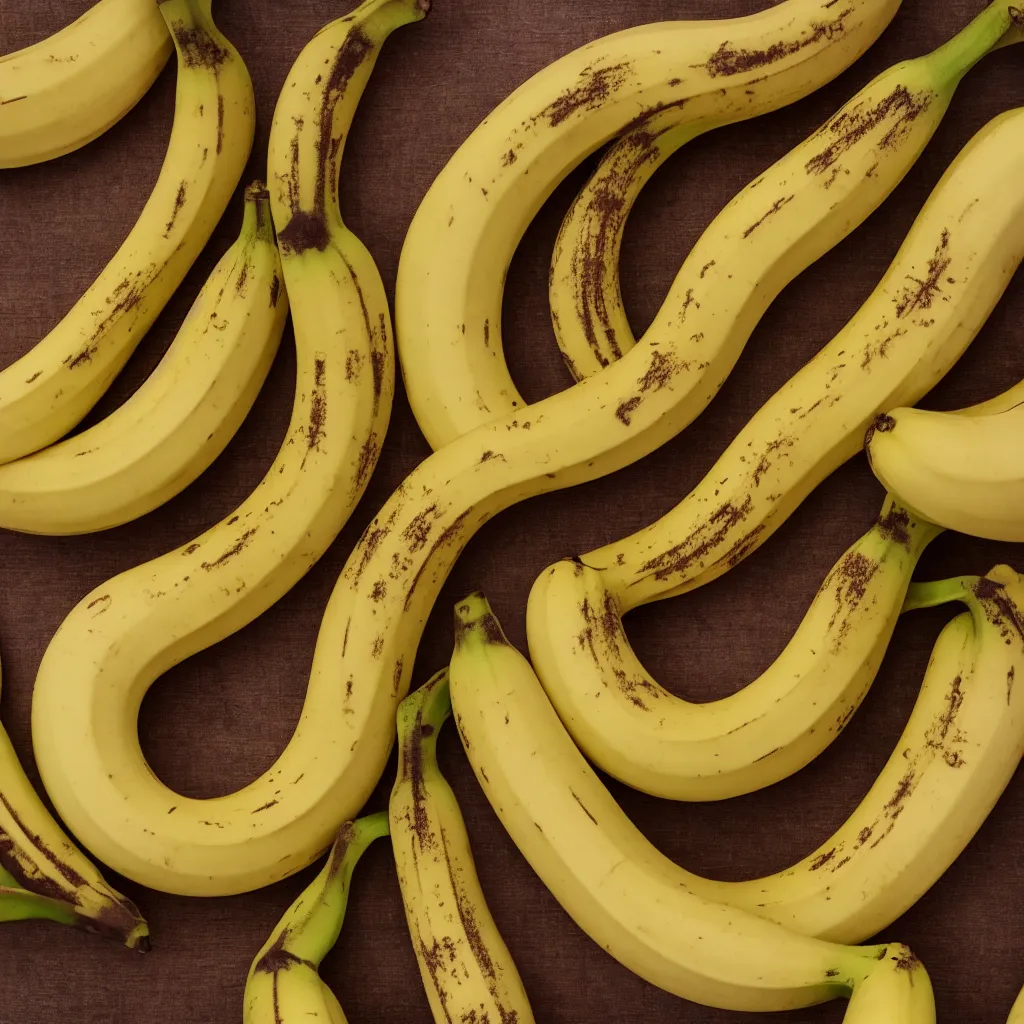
(617, 887)
(650, 739)
(705, 73)
(879, 133)
(64, 91)
(51, 388)
(466, 968)
(184, 414)
(118, 640)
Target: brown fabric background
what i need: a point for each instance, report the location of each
(217, 721)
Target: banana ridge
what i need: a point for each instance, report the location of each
(652, 740)
(47, 391)
(626, 895)
(124, 634)
(181, 418)
(53, 102)
(701, 73)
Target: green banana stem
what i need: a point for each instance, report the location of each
(995, 26)
(931, 595)
(476, 624)
(311, 926)
(422, 713)
(18, 904)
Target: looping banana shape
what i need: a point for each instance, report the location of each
(650, 739)
(698, 73)
(53, 386)
(181, 418)
(283, 985)
(62, 92)
(625, 894)
(587, 312)
(123, 635)
(963, 469)
(466, 968)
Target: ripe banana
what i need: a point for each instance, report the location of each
(283, 985)
(181, 418)
(587, 312)
(44, 875)
(65, 91)
(51, 388)
(700, 73)
(466, 968)
(1017, 1010)
(626, 895)
(962, 469)
(123, 635)
(650, 739)
(951, 270)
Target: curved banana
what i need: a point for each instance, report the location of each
(950, 272)
(184, 414)
(587, 311)
(626, 895)
(64, 91)
(711, 72)
(123, 635)
(283, 985)
(962, 469)
(667, 746)
(51, 388)
(1017, 1010)
(466, 968)
(44, 875)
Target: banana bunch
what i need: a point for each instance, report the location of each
(51, 388)
(962, 469)
(64, 91)
(283, 985)
(120, 637)
(183, 416)
(626, 895)
(44, 876)
(466, 968)
(693, 74)
(643, 735)
(899, 111)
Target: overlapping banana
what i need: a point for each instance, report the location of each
(51, 388)
(626, 895)
(466, 968)
(962, 469)
(124, 634)
(64, 91)
(283, 985)
(44, 876)
(697, 74)
(587, 311)
(643, 735)
(183, 415)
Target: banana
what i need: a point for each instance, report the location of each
(964, 472)
(587, 311)
(650, 739)
(118, 640)
(466, 968)
(51, 388)
(283, 985)
(43, 875)
(181, 418)
(64, 91)
(620, 890)
(700, 73)
(950, 272)
(1017, 1010)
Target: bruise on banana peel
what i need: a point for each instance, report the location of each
(655, 741)
(867, 145)
(680, 74)
(464, 964)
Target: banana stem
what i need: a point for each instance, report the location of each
(256, 219)
(959, 54)
(18, 904)
(931, 595)
(476, 624)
